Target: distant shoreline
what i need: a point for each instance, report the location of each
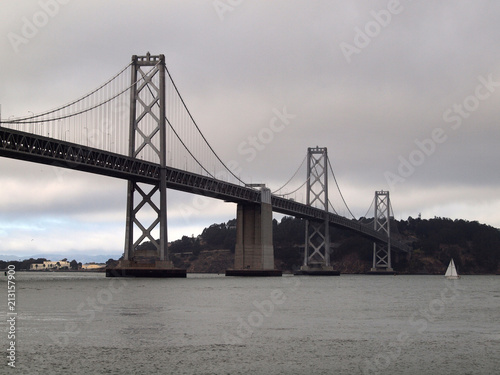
(57, 271)
(103, 270)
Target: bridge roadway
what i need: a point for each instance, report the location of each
(20, 145)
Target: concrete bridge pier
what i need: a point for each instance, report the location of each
(254, 252)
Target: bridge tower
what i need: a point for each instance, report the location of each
(382, 251)
(317, 235)
(147, 204)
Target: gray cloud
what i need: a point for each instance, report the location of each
(264, 56)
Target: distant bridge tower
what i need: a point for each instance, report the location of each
(317, 236)
(382, 251)
(147, 140)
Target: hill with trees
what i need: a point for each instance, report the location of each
(475, 247)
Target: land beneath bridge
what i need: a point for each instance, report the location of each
(475, 247)
(217, 261)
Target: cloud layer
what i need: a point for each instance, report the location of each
(411, 71)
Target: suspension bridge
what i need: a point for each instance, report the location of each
(137, 127)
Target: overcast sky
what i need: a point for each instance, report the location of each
(405, 95)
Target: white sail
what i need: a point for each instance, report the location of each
(451, 272)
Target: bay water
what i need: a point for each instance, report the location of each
(85, 323)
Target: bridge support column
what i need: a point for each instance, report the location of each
(382, 252)
(254, 252)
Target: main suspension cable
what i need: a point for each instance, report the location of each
(18, 121)
(292, 192)
(297, 171)
(187, 149)
(333, 208)
(369, 208)
(338, 188)
(199, 131)
(177, 135)
(22, 119)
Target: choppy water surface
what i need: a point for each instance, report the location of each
(210, 324)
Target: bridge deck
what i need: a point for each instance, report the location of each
(34, 148)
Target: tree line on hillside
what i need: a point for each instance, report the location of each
(216, 236)
(474, 246)
(471, 244)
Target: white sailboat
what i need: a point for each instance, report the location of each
(451, 272)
